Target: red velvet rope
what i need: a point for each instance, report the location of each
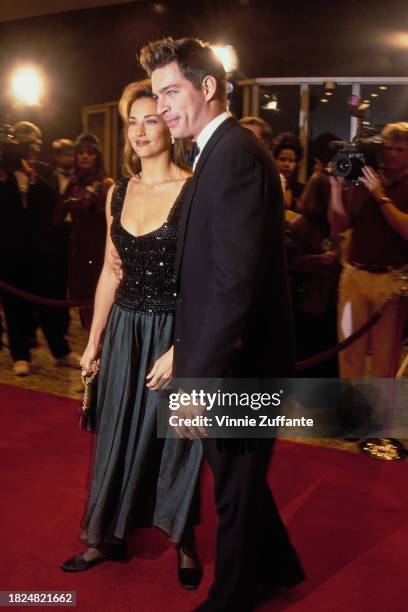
(316, 359)
(299, 365)
(38, 299)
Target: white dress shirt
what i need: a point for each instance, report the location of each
(206, 133)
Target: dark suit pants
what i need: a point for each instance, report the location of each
(48, 280)
(35, 274)
(17, 312)
(252, 547)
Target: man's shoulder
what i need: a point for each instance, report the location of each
(238, 141)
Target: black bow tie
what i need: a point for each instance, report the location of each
(192, 154)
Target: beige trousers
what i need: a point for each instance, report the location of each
(361, 294)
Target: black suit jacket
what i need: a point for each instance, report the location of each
(233, 316)
(14, 222)
(42, 200)
(31, 227)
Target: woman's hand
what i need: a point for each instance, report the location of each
(90, 358)
(161, 372)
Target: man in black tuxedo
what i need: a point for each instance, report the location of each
(233, 315)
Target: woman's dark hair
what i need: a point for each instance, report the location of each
(321, 149)
(195, 60)
(287, 140)
(90, 140)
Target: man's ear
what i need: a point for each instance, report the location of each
(209, 87)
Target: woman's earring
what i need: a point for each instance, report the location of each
(173, 140)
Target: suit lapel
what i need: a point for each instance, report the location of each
(189, 196)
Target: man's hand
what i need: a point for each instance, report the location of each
(116, 264)
(189, 412)
(373, 182)
(161, 372)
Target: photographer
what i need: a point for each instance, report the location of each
(28, 244)
(376, 210)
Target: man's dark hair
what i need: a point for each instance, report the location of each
(195, 60)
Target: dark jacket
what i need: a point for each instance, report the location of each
(31, 227)
(42, 199)
(14, 221)
(233, 315)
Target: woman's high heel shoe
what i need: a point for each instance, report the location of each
(189, 577)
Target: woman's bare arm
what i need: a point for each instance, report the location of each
(104, 296)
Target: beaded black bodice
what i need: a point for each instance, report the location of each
(148, 260)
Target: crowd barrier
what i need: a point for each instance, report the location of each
(300, 365)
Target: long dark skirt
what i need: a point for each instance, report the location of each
(138, 480)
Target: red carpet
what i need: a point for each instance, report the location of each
(347, 514)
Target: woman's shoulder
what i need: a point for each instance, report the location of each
(123, 180)
(185, 175)
(118, 194)
(183, 184)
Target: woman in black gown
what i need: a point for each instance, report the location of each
(138, 479)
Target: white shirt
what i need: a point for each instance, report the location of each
(206, 133)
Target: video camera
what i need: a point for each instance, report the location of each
(364, 150)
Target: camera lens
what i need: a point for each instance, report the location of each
(344, 166)
(341, 165)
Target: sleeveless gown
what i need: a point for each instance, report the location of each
(138, 480)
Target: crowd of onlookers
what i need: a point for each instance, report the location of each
(52, 239)
(53, 234)
(313, 256)
(347, 245)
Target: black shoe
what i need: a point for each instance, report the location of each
(79, 564)
(189, 577)
(266, 590)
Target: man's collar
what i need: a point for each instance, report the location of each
(206, 133)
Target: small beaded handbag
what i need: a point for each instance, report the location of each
(87, 419)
